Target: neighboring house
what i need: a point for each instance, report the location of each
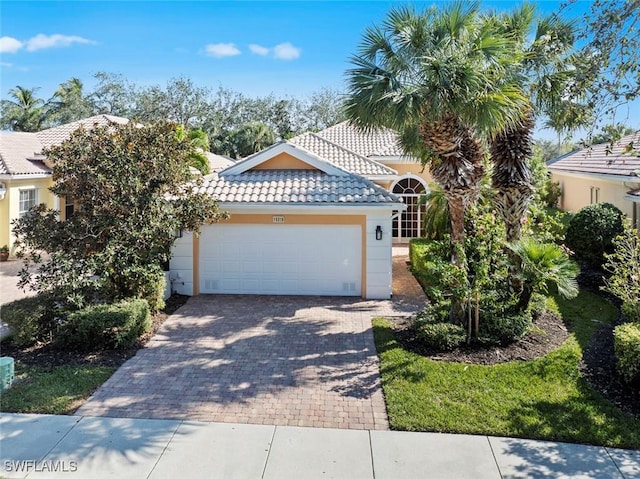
(604, 173)
(218, 162)
(300, 223)
(25, 176)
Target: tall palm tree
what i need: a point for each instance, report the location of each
(544, 73)
(440, 78)
(25, 112)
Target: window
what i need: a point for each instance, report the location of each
(28, 199)
(69, 207)
(595, 195)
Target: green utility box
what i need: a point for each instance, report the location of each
(6, 373)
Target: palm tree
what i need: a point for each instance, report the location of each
(441, 79)
(541, 265)
(437, 222)
(69, 103)
(250, 138)
(26, 112)
(544, 73)
(198, 146)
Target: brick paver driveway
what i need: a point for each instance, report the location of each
(283, 360)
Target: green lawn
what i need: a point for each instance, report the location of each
(60, 390)
(541, 399)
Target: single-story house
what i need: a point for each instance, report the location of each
(25, 176)
(603, 173)
(300, 224)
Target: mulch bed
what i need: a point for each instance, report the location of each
(599, 368)
(48, 356)
(548, 333)
(598, 364)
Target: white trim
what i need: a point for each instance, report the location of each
(25, 176)
(409, 175)
(598, 176)
(632, 198)
(394, 159)
(284, 147)
(346, 209)
(380, 177)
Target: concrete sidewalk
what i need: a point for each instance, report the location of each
(39, 446)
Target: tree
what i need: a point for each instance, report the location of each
(543, 71)
(440, 79)
(181, 101)
(324, 108)
(199, 144)
(251, 138)
(25, 112)
(112, 95)
(611, 133)
(68, 103)
(131, 182)
(610, 58)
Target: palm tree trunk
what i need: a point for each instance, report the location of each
(510, 152)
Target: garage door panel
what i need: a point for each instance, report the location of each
(281, 259)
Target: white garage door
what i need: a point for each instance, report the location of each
(281, 259)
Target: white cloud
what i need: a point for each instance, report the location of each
(286, 51)
(259, 50)
(6, 65)
(221, 50)
(9, 45)
(42, 41)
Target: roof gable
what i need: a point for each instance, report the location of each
(20, 154)
(603, 159)
(292, 152)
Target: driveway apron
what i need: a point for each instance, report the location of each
(279, 360)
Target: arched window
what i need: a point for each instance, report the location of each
(409, 224)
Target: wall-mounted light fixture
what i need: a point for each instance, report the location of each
(378, 232)
(177, 233)
(3, 190)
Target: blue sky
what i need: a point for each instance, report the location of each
(285, 48)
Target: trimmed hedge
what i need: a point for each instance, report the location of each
(106, 326)
(627, 349)
(504, 327)
(30, 319)
(592, 230)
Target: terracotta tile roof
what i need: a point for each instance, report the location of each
(218, 162)
(382, 142)
(20, 154)
(58, 134)
(603, 159)
(294, 186)
(341, 157)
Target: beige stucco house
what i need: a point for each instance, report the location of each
(601, 174)
(314, 215)
(25, 176)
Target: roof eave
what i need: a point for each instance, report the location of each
(601, 176)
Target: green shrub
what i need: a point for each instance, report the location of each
(627, 349)
(504, 327)
(592, 230)
(106, 326)
(624, 268)
(30, 319)
(145, 282)
(537, 305)
(440, 336)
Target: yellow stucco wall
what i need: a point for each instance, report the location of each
(284, 161)
(577, 192)
(10, 205)
(405, 168)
